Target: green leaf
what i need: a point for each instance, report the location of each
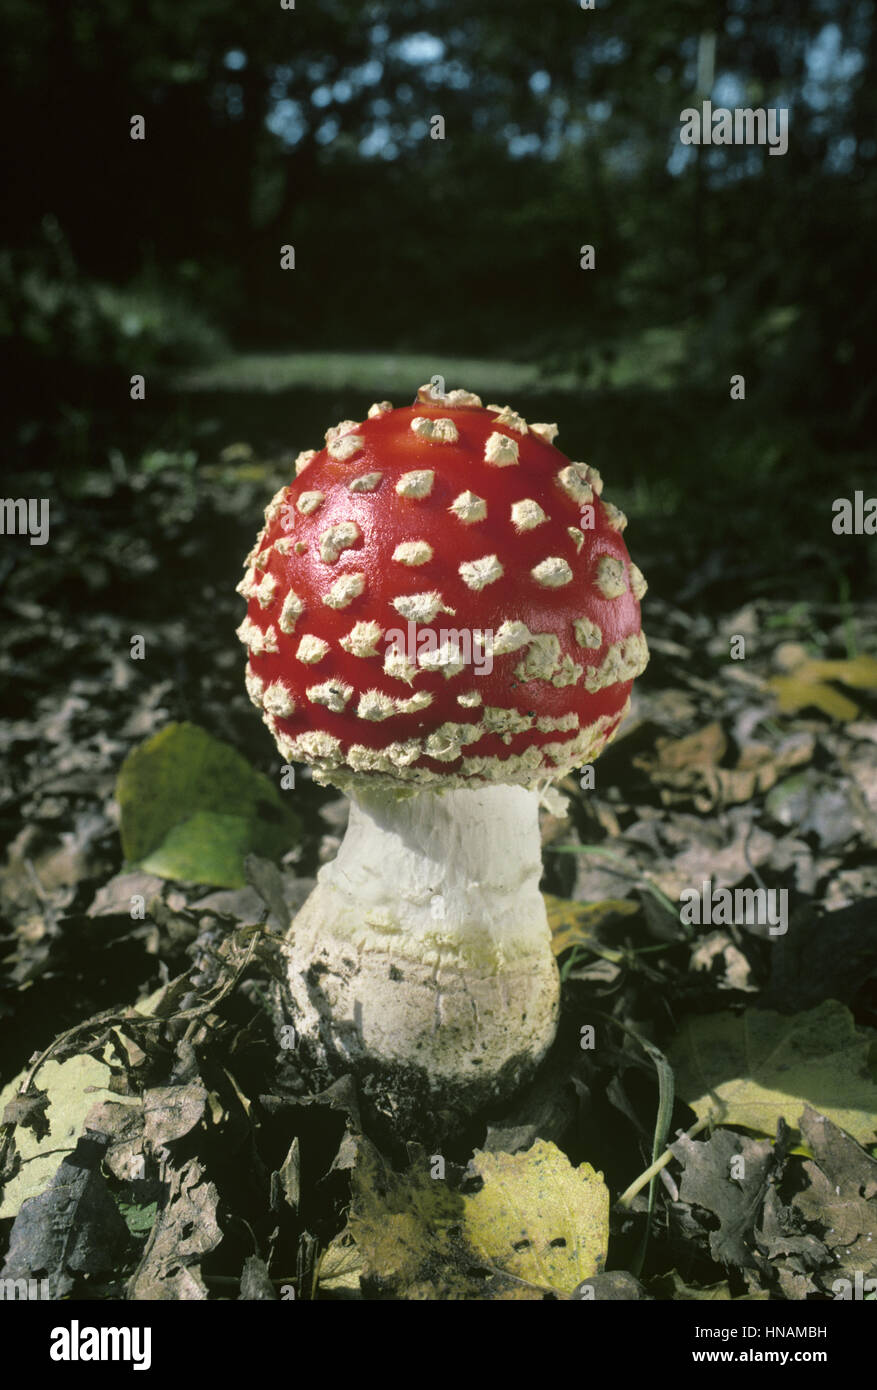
(749, 1070)
(139, 1220)
(192, 809)
(203, 849)
(538, 1218)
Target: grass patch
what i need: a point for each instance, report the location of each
(368, 371)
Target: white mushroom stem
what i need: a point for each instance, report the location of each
(425, 943)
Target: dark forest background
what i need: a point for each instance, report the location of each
(310, 127)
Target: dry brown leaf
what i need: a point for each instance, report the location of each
(185, 1231)
(704, 748)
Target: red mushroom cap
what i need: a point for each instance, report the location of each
(441, 598)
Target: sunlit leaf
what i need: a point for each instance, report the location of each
(538, 1218)
(750, 1069)
(72, 1088)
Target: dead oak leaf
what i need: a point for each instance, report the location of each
(171, 1112)
(709, 1181)
(185, 1230)
(841, 1197)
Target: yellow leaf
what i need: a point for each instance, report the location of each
(409, 1230)
(807, 685)
(794, 694)
(577, 924)
(538, 1218)
(341, 1265)
(749, 1070)
(73, 1087)
(860, 673)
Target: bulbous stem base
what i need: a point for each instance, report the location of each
(424, 950)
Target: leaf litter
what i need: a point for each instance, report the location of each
(160, 1136)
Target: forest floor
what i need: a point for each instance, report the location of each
(159, 1134)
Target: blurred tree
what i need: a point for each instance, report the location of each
(312, 126)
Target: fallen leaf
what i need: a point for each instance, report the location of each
(256, 1285)
(192, 809)
(114, 898)
(793, 1252)
(860, 673)
(72, 1227)
(577, 924)
(403, 1226)
(139, 1219)
(29, 1111)
(611, 1286)
(341, 1265)
(816, 805)
(44, 869)
(806, 687)
(409, 1231)
(707, 1182)
(172, 1112)
(754, 1069)
(268, 882)
(539, 1218)
(706, 857)
(289, 1174)
(72, 1088)
(121, 1123)
(841, 1196)
(689, 768)
(185, 1230)
(683, 767)
(703, 748)
(717, 953)
(673, 1286)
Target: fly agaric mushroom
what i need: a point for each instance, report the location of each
(443, 619)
